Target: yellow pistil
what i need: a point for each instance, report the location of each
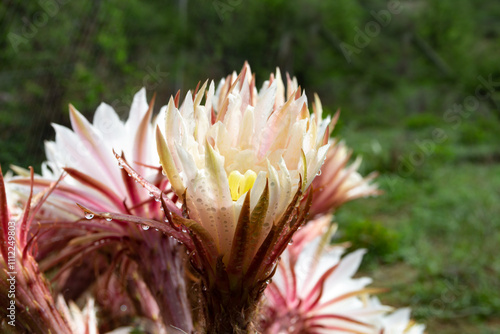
(240, 184)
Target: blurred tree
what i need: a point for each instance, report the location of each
(420, 57)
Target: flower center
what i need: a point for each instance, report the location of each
(240, 184)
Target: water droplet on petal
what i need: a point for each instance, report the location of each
(151, 194)
(123, 308)
(109, 219)
(89, 215)
(290, 242)
(145, 227)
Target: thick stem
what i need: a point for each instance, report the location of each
(162, 266)
(230, 312)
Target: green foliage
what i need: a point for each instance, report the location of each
(380, 242)
(470, 134)
(446, 263)
(422, 121)
(88, 52)
(481, 130)
(450, 35)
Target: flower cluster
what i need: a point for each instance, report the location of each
(223, 226)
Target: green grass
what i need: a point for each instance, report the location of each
(437, 228)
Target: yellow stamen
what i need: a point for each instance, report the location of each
(240, 184)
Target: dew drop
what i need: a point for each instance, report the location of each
(204, 288)
(89, 215)
(145, 227)
(290, 242)
(157, 230)
(129, 175)
(109, 219)
(123, 308)
(184, 230)
(120, 165)
(319, 173)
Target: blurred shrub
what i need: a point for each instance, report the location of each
(422, 121)
(471, 134)
(423, 61)
(381, 242)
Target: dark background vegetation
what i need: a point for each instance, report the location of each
(408, 94)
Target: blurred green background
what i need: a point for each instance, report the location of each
(418, 83)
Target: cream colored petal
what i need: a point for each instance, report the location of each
(286, 193)
(168, 164)
(257, 189)
(280, 90)
(107, 122)
(247, 130)
(209, 101)
(315, 161)
(219, 187)
(263, 109)
(187, 109)
(232, 119)
(137, 110)
(172, 130)
(274, 194)
(294, 147)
